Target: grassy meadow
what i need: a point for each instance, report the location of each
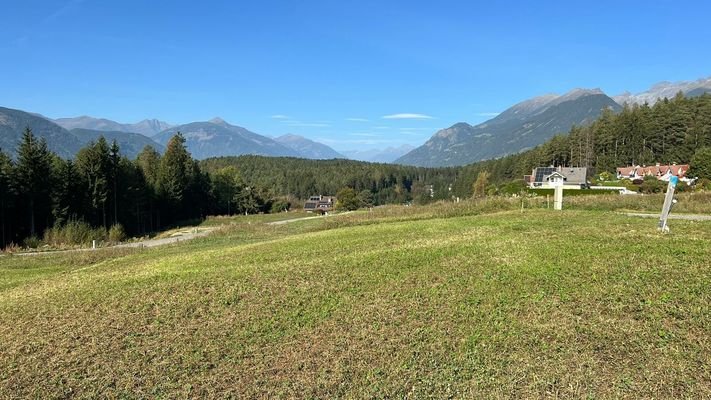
(477, 300)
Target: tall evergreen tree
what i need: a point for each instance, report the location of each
(6, 197)
(33, 178)
(68, 196)
(173, 175)
(93, 162)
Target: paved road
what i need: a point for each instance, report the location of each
(690, 217)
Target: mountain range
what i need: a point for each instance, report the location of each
(532, 122)
(666, 89)
(13, 123)
(520, 127)
(147, 127)
(130, 143)
(216, 137)
(308, 148)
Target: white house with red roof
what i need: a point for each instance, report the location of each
(661, 172)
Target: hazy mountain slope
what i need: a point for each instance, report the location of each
(387, 155)
(523, 126)
(666, 89)
(13, 123)
(129, 143)
(308, 148)
(218, 138)
(147, 127)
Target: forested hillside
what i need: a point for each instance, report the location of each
(671, 131)
(301, 178)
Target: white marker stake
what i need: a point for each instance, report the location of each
(668, 201)
(558, 197)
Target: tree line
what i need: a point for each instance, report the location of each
(297, 179)
(102, 188)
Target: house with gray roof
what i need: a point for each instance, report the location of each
(549, 177)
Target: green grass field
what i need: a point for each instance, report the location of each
(400, 302)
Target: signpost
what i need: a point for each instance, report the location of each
(668, 202)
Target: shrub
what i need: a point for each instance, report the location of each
(31, 242)
(703, 184)
(280, 205)
(347, 199)
(116, 233)
(74, 232)
(651, 185)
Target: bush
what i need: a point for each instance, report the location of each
(651, 185)
(347, 199)
(280, 205)
(703, 184)
(73, 233)
(116, 233)
(32, 242)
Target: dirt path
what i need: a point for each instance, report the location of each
(179, 236)
(286, 221)
(689, 217)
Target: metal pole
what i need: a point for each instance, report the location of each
(668, 201)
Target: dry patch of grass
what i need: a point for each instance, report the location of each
(539, 304)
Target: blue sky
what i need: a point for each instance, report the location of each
(353, 74)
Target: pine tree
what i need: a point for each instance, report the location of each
(173, 175)
(6, 196)
(93, 162)
(68, 194)
(33, 177)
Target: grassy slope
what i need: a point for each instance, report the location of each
(572, 304)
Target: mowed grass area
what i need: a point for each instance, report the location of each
(573, 304)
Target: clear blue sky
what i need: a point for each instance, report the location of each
(331, 70)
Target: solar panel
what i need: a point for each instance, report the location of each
(541, 172)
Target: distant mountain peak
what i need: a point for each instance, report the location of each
(665, 89)
(147, 127)
(578, 92)
(520, 127)
(218, 121)
(307, 147)
(289, 136)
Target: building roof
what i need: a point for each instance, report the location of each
(654, 170)
(319, 202)
(572, 175)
